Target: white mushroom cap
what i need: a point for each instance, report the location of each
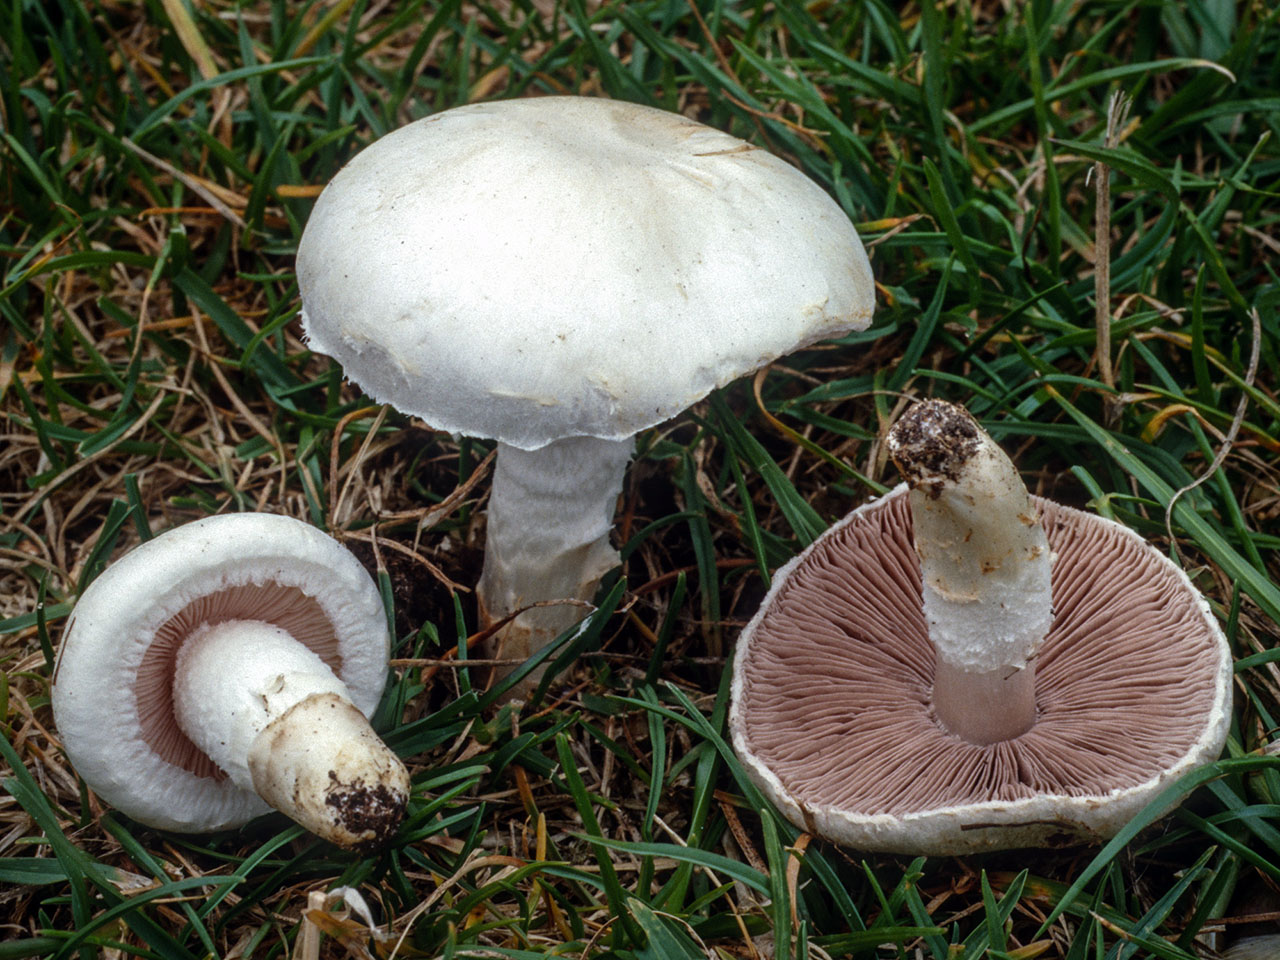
(831, 712)
(1254, 948)
(112, 694)
(529, 270)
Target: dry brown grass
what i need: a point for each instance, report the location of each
(201, 432)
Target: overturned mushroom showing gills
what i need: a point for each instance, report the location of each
(227, 667)
(874, 715)
(558, 274)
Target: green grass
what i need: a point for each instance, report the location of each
(154, 184)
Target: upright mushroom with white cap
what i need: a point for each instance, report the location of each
(910, 685)
(226, 667)
(558, 274)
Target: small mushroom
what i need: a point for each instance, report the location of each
(559, 274)
(1265, 947)
(908, 684)
(226, 667)
(1255, 932)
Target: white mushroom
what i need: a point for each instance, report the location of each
(872, 714)
(226, 666)
(1254, 948)
(559, 274)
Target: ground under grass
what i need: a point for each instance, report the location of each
(158, 163)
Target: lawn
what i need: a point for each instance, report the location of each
(159, 161)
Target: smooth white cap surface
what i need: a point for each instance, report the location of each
(529, 270)
(107, 730)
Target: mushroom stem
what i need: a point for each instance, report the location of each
(273, 716)
(550, 513)
(985, 564)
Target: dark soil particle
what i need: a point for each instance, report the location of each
(374, 813)
(933, 439)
